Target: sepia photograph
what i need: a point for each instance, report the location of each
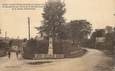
(57, 35)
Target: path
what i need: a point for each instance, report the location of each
(85, 63)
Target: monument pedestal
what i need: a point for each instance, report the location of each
(50, 48)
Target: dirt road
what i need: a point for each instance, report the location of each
(88, 62)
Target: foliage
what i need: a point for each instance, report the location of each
(30, 48)
(108, 33)
(3, 48)
(53, 19)
(79, 30)
(109, 41)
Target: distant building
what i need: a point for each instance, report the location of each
(108, 29)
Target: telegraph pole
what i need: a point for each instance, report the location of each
(114, 24)
(29, 28)
(0, 31)
(5, 35)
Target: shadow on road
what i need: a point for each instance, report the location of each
(39, 62)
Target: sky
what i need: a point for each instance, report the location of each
(98, 12)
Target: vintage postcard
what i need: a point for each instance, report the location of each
(57, 35)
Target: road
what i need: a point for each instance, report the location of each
(88, 62)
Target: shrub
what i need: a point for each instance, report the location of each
(3, 48)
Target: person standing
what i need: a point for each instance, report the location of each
(9, 54)
(9, 49)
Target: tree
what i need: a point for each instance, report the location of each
(109, 41)
(3, 48)
(96, 34)
(107, 34)
(53, 19)
(79, 30)
(114, 36)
